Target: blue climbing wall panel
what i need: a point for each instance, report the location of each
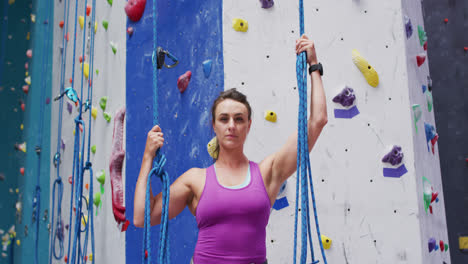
(191, 31)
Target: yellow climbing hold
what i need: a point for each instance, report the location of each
(95, 27)
(26, 73)
(28, 80)
(28, 36)
(22, 127)
(18, 242)
(81, 20)
(84, 219)
(85, 69)
(240, 24)
(326, 241)
(17, 190)
(94, 112)
(90, 256)
(368, 71)
(10, 2)
(33, 18)
(270, 116)
(212, 147)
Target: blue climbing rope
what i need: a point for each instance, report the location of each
(304, 174)
(58, 184)
(37, 192)
(157, 170)
(79, 252)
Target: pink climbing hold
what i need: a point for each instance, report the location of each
(26, 89)
(425, 45)
(130, 31)
(26, 66)
(29, 53)
(115, 168)
(135, 9)
(183, 81)
(420, 59)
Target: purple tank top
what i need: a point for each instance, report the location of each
(232, 222)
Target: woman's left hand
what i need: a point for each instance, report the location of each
(307, 45)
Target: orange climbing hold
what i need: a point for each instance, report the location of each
(87, 186)
(81, 58)
(61, 24)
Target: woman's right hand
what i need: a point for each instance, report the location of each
(154, 141)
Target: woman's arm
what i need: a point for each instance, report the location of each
(282, 164)
(180, 190)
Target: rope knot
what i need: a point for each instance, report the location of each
(158, 165)
(88, 165)
(56, 159)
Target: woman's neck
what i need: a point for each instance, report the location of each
(231, 159)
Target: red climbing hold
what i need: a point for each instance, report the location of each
(71, 80)
(61, 24)
(434, 196)
(85, 258)
(183, 81)
(88, 10)
(26, 89)
(135, 9)
(70, 179)
(81, 58)
(130, 31)
(125, 225)
(430, 209)
(465, 49)
(66, 259)
(446, 20)
(425, 45)
(441, 244)
(146, 254)
(67, 36)
(421, 58)
(22, 171)
(22, 106)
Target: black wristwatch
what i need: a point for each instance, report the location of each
(316, 67)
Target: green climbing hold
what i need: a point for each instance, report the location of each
(97, 72)
(110, 2)
(103, 103)
(422, 35)
(97, 199)
(114, 47)
(107, 117)
(446, 247)
(417, 113)
(101, 177)
(429, 100)
(105, 24)
(93, 149)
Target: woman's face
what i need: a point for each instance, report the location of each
(231, 124)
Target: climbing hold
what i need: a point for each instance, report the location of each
(81, 21)
(95, 27)
(22, 171)
(434, 196)
(107, 117)
(81, 58)
(417, 113)
(465, 49)
(21, 126)
(105, 24)
(22, 106)
(33, 18)
(207, 67)
(267, 3)
(87, 186)
(422, 35)
(29, 53)
(420, 59)
(85, 68)
(213, 148)
(270, 116)
(441, 245)
(326, 242)
(408, 27)
(430, 101)
(47, 100)
(240, 24)
(28, 80)
(394, 157)
(183, 81)
(26, 65)
(113, 47)
(130, 31)
(110, 2)
(432, 244)
(101, 178)
(103, 103)
(429, 83)
(69, 107)
(281, 203)
(67, 36)
(91, 257)
(93, 149)
(97, 199)
(431, 135)
(84, 220)
(88, 10)
(369, 73)
(21, 147)
(425, 45)
(94, 112)
(66, 259)
(446, 20)
(427, 193)
(61, 23)
(97, 72)
(18, 242)
(26, 89)
(346, 97)
(135, 9)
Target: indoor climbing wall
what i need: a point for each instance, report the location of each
(376, 173)
(108, 97)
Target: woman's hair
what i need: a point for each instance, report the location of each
(232, 94)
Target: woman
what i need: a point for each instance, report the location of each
(231, 199)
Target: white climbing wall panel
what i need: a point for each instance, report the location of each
(370, 218)
(110, 82)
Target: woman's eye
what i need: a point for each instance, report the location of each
(240, 119)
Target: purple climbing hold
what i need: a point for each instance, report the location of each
(69, 107)
(346, 98)
(47, 100)
(432, 244)
(267, 3)
(408, 27)
(394, 157)
(62, 145)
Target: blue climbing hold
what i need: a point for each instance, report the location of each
(281, 203)
(207, 68)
